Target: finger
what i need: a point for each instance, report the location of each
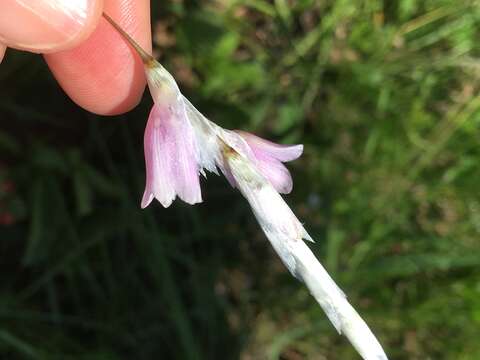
(104, 75)
(47, 25)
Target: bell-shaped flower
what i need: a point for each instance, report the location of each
(270, 156)
(170, 156)
(171, 152)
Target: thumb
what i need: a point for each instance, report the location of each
(47, 25)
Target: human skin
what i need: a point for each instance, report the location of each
(90, 60)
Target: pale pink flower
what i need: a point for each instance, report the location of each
(267, 156)
(180, 143)
(171, 152)
(270, 156)
(170, 156)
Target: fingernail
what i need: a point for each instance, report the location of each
(46, 25)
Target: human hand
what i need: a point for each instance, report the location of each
(89, 59)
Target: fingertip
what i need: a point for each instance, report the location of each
(48, 25)
(103, 74)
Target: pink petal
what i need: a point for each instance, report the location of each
(158, 149)
(269, 157)
(228, 175)
(185, 167)
(170, 159)
(282, 153)
(277, 174)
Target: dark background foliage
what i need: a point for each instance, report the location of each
(384, 95)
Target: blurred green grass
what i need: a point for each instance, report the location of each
(384, 96)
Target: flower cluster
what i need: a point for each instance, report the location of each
(181, 144)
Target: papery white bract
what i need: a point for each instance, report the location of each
(285, 233)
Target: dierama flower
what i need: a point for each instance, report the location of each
(169, 143)
(180, 144)
(269, 158)
(174, 156)
(267, 155)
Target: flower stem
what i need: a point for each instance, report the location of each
(146, 57)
